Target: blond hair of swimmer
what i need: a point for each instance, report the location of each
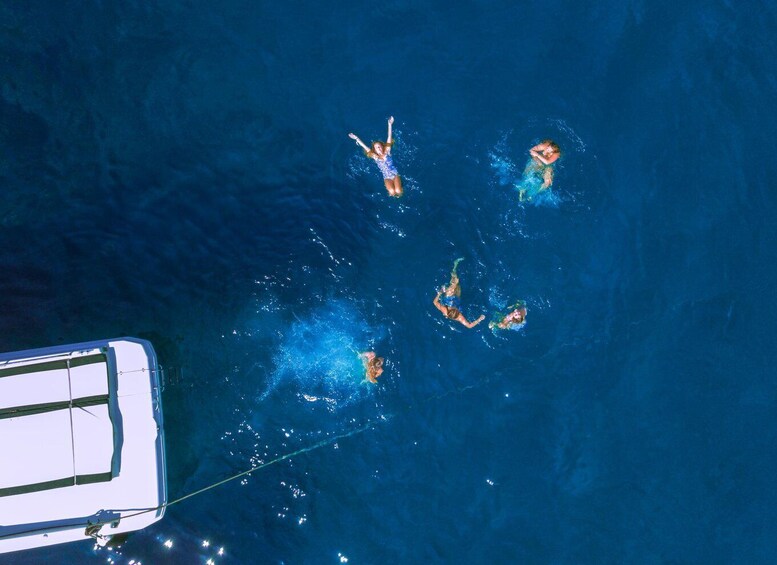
(514, 318)
(373, 365)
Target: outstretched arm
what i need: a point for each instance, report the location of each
(542, 158)
(359, 142)
(464, 321)
(390, 123)
(537, 153)
(436, 302)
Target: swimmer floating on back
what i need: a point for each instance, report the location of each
(373, 365)
(381, 153)
(448, 300)
(512, 321)
(538, 174)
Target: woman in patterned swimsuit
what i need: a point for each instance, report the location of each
(381, 153)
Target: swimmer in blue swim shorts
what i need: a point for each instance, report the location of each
(381, 154)
(448, 300)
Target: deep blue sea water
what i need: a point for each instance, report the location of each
(180, 171)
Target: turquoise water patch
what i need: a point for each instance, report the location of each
(526, 182)
(318, 355)
(530, 188)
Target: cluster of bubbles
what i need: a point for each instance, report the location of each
(318, 355)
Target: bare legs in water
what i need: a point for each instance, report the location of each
(394, 186)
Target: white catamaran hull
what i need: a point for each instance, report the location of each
(81, 442)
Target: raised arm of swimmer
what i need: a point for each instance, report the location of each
(546, 152)
(389, 139)
(541, 157)
(453, 313)
(359, 142)
(536, 151)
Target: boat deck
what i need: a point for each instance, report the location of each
(82, 441)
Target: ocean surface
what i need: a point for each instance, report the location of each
(180, 171)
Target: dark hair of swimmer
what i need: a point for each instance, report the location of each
(452, 313)
(553, 144)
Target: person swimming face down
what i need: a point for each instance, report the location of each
(448, 306)
(455, 315)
